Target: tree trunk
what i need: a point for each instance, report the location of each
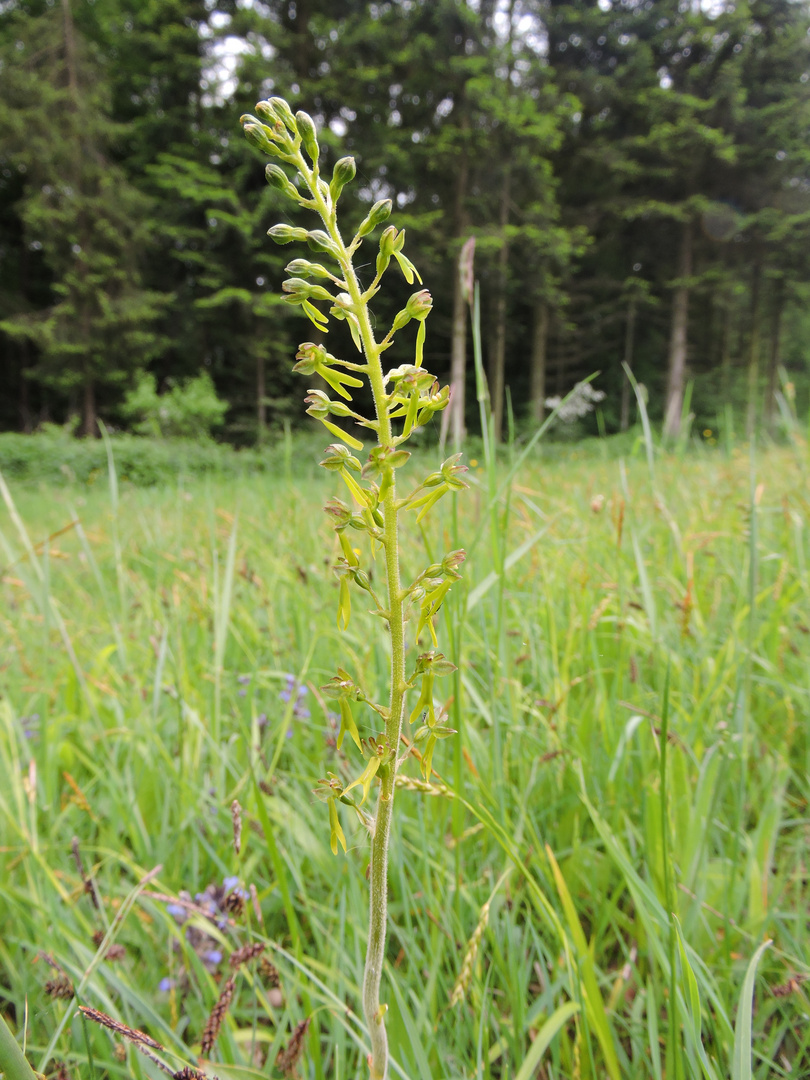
(537, 391)
(629, 335)
(725, 352)
(89, 422)
(678, 338)
(562, 357)
(774, 353)
(753, 353)
(70, 48)
(261, 394)
(497, 361)
(26, 419)
(458, 346)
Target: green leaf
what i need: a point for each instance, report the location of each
(594, 1004)
(544, 1037)
(336, 834)
(347, 723)
(12, 1060)
(741, 1061)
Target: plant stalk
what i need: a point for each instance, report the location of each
(378, 873)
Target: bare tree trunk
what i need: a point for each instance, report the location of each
(458, 346)
(629, 336)
(26, 419)
(537, 391)
(678, 338)
(774, 352)
(497, 362)
(89, 422)
(25, 408)
(725, 351)
(261, 394)
(70, 48)
(753, 352)
(561, 358)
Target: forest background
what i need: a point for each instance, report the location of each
(636, 175)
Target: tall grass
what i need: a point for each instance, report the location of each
(632, 700)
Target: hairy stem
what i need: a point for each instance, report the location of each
(378, 891)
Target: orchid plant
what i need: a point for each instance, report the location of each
(405, 398)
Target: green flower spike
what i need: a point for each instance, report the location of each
(403, 399)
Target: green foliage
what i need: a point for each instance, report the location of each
(80, 211)
(187, 410)
(574, 141)
(54, 456)
(105, 734)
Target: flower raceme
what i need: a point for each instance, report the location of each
(326, 288)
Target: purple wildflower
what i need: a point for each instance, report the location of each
(231, 885)
(165, 985)
(296, 691)
(30, 726)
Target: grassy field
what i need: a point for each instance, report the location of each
(626, 800)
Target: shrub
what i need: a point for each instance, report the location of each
(188, 410)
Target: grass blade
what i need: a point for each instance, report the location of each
(12, 1060)
(595, 1005)
(741, 1062)
(544, 1037)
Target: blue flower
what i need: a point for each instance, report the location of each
(165, 985)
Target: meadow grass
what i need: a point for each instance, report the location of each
(618, 827)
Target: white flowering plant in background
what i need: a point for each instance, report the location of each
(581, 401)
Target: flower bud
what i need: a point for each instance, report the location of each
(266, 111)
(296, 287)
(339, 457)
(339, 512)
(381, 458)
(278, 179)
(379, 213)
(419, 304)
(362, 579)
(320, 406)
(305, 269)
(276, 109)
(273, 122)
(318, 240)
(256, 135)
(285, 234)
(453, 560)
(342, 174)
(300, 290)
(306, 129)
